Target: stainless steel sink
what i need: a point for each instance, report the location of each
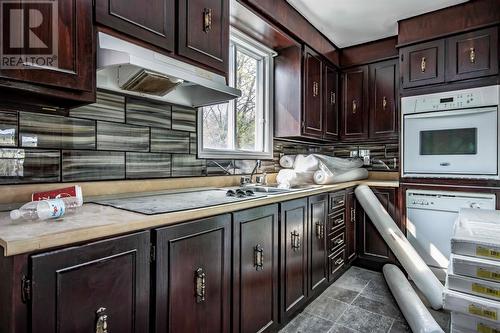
(274, 189)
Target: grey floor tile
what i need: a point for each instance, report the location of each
(342, 329)
(388, 309)
(400, 327)
(364, 321)
(341, 294)
(326, 308)
(377, 289)
(308, 324)
(442, 317)
(355, 279)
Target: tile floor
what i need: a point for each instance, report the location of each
(359, 301)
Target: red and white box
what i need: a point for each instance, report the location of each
(73, 191)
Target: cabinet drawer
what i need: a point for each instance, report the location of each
(337, 201)
(336, 221)
(335, 263)
(336, 241)
(423, 64)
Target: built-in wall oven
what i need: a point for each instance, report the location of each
(451, 134)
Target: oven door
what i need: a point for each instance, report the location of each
(456, 143)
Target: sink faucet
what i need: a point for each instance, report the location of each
(246, 180)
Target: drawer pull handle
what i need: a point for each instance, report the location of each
(258, 257)
(354, 106)
(200, 285)
(423, 64)
(207, 19)
(338, 241)
(384, 103)
(319, 230)
(353, 215)
(295, 240)
(472, 55)
(339, 262)
(338, 221)
(101, 325)
(332, 97)
(315, 89)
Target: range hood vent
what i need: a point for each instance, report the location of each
(130, 69)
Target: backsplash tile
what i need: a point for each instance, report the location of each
(146, 113)
(47, 131)
(110, 107)
(183, 119)
(169, 141)
(187, 165)
(92, 165)
(111, 136)
(8, 128)
(29, 166)
(148, 165)
(193, 143)
(220, 167)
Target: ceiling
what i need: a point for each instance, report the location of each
(351, 22)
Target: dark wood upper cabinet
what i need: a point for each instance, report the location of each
(293, 270)
(422, 64)
(193, 276)
(255, 269)
(73, 69)
(203, 32)
(331, 110)
(75, 290)
(318, 212)
(355, 104)
(473, 54)
(384, 99)
(313, 94)
(151, 21)
(350, 212)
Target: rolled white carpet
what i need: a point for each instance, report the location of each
(325, 176)
(415, 312)
(287, 161)
(306, 163)
(337, 163)
(287, 178)
(425, 280)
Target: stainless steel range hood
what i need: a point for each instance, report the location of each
(134, 70)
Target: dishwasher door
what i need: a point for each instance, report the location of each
(430, 219)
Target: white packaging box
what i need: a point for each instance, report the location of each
(477, 233)
(473, 286)
(475, 306)
(484, 269)
(465, 323)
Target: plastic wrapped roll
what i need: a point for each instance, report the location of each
(287, 178)
(325, 176)
(415, 312)
(306, 163)
(425, 280)
(287, 161)
(337, 163)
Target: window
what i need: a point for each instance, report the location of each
(241, 128)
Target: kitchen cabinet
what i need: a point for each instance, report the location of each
(350, 212)
(473, 54)
(70, 73)
(151, 21)
(192, 276)
(203, 32)
(294, 255)
(83, 288)
(422, 64)
(255, 269)
(331, 110)
(355, 104)
(318, 212)
(313, 94)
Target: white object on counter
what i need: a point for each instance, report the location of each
(288, 178)
(46, 209)
(464, 323)
(287, 161)
(325, 176)
(484, 269)
(473, 286)
(475, 306)
(420, 273)
(306, 163)
(414, 311)
(337, 163)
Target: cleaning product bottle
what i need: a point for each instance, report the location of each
(46, 209)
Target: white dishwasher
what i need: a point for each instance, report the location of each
(430, 219)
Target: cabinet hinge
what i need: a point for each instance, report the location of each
(26, 289)
(152, 253)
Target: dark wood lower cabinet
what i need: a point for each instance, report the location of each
(351, 225)
(293, 259)
(79, 288)
(318, 212)
(255, 269)
(192, 276)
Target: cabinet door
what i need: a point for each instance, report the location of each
(193, 273)
(350, 228)
(423, 64)
(331, 110)
(473, 54)
(203, 32)
(372, 249)
(293, 242)
(79, 288)
(355, 103)
(72, 66)
(318, 211)
(255, 269)
(313, 103)
(384, 100)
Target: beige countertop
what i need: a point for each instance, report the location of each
(96, 221)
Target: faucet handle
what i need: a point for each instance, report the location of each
(245, 180)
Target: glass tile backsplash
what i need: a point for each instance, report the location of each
(120, 138)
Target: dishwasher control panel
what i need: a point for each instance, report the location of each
(448, 201)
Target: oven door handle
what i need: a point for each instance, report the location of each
(437, 114)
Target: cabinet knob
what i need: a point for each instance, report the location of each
(354, 106)
(101, 325)
(472, 55)
(423, 64)
(258, 257)
(207, 19)
(384, 103)
(295, 240)
(200, 285)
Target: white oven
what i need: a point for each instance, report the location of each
(451, 134)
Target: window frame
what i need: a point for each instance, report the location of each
(265, 85)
